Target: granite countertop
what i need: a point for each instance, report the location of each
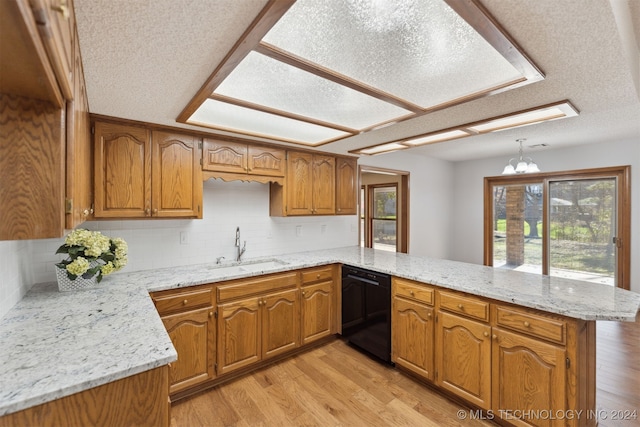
(53, 344)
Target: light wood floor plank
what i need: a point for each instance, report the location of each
(335, 385)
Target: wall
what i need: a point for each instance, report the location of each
(430, 200)
(227, 205)
(467, 214)
(16, 273)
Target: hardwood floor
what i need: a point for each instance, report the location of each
(335, 385)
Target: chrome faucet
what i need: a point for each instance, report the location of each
(244, 248)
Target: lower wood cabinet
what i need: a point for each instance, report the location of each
(256, 328)
(316, 311)
(412, 323)
(139, 400)
(193, 336)
(528, 375)
(513, 361)
(464, 358)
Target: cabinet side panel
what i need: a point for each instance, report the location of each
(31, 169)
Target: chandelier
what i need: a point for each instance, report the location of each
(523, 165)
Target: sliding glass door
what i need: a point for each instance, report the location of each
(566, 224)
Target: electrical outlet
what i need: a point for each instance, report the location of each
(298, 230)
(184, 238)
(323, 229)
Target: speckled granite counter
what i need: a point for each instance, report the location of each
(55, 344)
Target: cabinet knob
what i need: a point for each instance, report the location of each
(147, 212)
(526, 324)
(460, 306)
(155, 211)
(259, 302)
(411, 293)
(304, 293)
(486, 334)
(184, 302)
(428, 314)
(85, 212)
(495, 337)
(211, 314)
(318, 276)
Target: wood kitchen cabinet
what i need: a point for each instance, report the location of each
(44, 151)
(317, 296)
(412, 323)
(262, 324)
(309, 187)
(140, 173)
(79, 162)
(346, 186)
(189, 317)
(236, 160)
(463, 356)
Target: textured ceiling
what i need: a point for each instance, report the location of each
(145, 59)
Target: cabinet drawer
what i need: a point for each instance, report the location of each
(246, 287)
(412, 290)
(465, 305)
(317, 274)
(182, 301)
(531, 324)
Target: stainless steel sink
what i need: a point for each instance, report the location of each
(248, 266)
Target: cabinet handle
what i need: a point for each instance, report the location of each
(63, 9)
(526, 324)
(485, 333)
(184, 302)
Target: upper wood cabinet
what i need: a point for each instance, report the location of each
(234, 160)
(309, 187)
(143, 174)
(79, 190)
(346, 186)
(176, 176)
(122, 171)
(56, 25)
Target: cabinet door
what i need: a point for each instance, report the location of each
(346, 186)
(280, 322)
(266, 161)
(176, 176)
(316, 311)
(324, 185)
(239, 326)
(79, 151)
(56, 25)
(413, 336)
(528, 376)
(299, 184)
(193, 336)
(224, 156)
(122, 163)
(463, 358)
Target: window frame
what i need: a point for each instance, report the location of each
(622, 174)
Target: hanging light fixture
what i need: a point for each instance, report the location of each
(524, 164)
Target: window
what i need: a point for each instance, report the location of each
(566, 224)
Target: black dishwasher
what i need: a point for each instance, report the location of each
(366, 310)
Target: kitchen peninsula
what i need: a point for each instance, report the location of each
(55, 344)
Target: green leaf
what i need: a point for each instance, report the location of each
(64, 249)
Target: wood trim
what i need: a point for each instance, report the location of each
(230, 176)
(478, 17)
(281, 113)
(204, 134)
(266, 19)
(623, 177)
(326, 73)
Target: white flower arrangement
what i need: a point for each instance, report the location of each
(85, 248)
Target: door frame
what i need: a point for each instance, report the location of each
(402, 220)
(622, 174)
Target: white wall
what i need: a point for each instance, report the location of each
(467, 213)
(156, 243)
(430, 200)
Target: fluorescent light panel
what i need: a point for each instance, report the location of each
(544, 113)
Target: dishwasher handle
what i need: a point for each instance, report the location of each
(362, 279)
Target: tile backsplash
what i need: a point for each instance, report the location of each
(227, 205)
(16, 273)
